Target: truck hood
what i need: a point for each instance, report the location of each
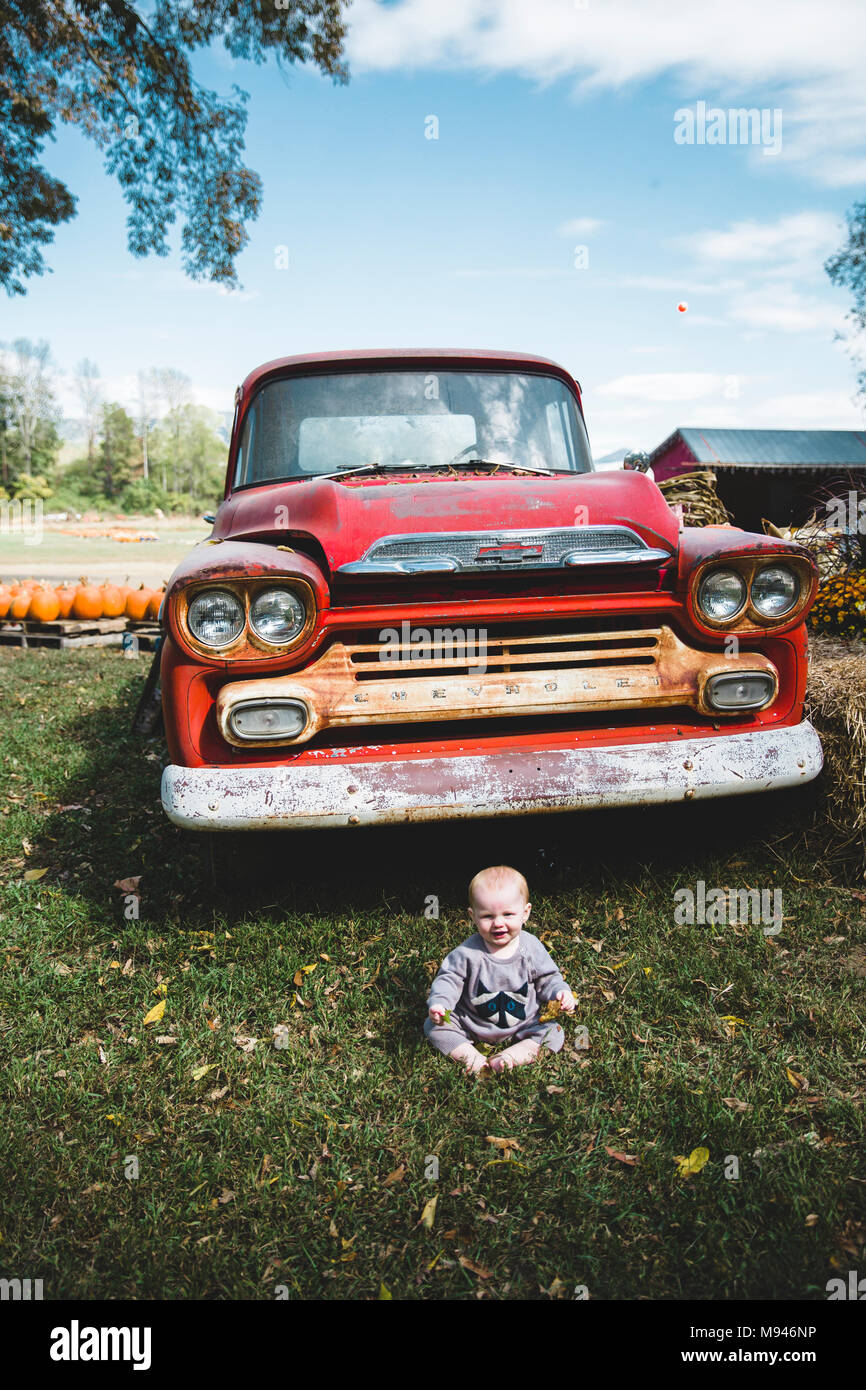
(347, 516)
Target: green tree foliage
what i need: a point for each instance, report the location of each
(847, 268)
(186, 448)
(119, 452)
(29, 415)
(121, 73)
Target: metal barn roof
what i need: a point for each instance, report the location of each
(771, 448)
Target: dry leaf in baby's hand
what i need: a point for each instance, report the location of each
(551, 1010)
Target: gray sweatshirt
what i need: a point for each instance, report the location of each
(492, 996)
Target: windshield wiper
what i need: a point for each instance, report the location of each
(407, 466)
(496, 463)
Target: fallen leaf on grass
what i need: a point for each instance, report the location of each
(244, 1043)
(385, 1294)
(797, 1080)
(733, 1023)
(506, 1144)
(203, 1071)
(166, 1040)
(128, 885)
(217, 1093)
(622, 1157)
(733, 1104)
(812, 1219)
(33, 874)
(156, 1013)
(397, 1176)
(298, 978)
(428, 1214)
(697, 1159)
(474, 1268)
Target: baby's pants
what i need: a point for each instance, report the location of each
(446, 1036)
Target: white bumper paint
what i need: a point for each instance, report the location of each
(308, 795)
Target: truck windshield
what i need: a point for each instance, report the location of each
(303, 426)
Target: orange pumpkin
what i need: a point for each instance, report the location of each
(155, 601)
(44, 605)
(5, 599)
(20, 605)
(87, 602)
(65, 596)
(137, 603)
(113, 602)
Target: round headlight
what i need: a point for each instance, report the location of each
(215, 617)
(277, 615)
(721, 595)
(775, 590)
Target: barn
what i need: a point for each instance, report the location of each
(783, 475)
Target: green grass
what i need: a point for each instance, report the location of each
(271, 1169)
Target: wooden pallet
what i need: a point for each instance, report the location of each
(147, 635)
(67, 632)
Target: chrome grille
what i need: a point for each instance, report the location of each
(462, 650)
(504, 550)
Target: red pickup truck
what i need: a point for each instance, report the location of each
(420, 601)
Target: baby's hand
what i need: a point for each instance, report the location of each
(567, 1000)
(436, 1015)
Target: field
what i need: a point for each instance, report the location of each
(63, 554)
(191, 1157)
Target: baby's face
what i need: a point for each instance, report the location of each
(499, 915)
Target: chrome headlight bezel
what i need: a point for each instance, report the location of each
(749, 618)
(248, 644)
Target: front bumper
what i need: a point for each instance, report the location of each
(494, 784)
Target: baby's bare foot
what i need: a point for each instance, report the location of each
(469, 1057)
(517, 1055)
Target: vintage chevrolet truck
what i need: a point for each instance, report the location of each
(420, 601)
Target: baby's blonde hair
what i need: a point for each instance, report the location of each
(499, 876)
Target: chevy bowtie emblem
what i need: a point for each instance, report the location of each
(510, 551)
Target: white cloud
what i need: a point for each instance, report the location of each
(581, 226)
(809, 58)
(831, 410)
(665, 386)
(784, 309)
(796, 244)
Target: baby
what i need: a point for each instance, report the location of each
(492, 984)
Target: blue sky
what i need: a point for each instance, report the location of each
(555, 131)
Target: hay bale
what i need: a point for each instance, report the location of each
(836, 705)
(696, 494)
